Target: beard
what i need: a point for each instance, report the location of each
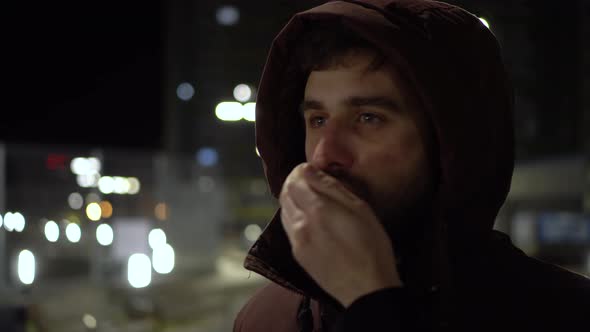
(407, 218)
(406, 215)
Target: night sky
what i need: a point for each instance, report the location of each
(83, 74)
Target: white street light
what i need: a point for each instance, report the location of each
(51, 231)
(26, 267)
(139, 270)
(104, 234)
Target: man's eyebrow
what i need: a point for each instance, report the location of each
(385, 102)
(311, 104)
(379, 101)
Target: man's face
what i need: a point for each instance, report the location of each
(364, 130)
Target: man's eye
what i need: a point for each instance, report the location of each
(317, 121)
(369, 118)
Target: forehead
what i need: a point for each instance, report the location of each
(354, 74)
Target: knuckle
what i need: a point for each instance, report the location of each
(299, 168)
(328, 181)
(286, 189)
(296, 172)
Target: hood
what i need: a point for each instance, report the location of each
(454, 63)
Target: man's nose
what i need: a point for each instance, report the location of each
(332, 153)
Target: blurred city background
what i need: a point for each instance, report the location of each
(130, 186)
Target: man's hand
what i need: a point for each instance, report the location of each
(335, 236)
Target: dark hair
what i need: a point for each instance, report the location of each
(328, 44)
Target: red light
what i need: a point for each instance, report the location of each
(55, 162)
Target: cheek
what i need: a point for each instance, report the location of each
(309, 148)
(411, 148)
(403, 157)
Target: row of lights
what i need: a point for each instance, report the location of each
(139, 266)
(226, 110)
(95, 210)
(110, 184)
(104, 234)
(235, 111)
(87, 172)
(73, 231)
(242, 92)
(13, 221)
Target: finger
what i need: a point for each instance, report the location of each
(303, 195)
(290, 213)
(293, 222)
(297, 187)
(327, 185)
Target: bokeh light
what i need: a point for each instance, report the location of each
(161, 211)
(249, 112)
(104, 234)
(51, 231)
(89, 321)
(134, 185)
(227, 15)
(93, 211)
(252, 232)
(207, 157)
(106, 185)
(83, 166)
(106, 209)
(18, 221)
(88, 180)
(75, 201)
(9, 221)
(139, 270)
(242, 93)
(26, 267)
(229, 111)
(163, 259)
(121, 185)
(185, 91)
(73, 232)
(156, 238)
(79, 165)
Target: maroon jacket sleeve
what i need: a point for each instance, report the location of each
(391, 309)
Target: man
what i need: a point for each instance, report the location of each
(386, 132)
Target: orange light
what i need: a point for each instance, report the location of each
(161, 211)
(106, 209)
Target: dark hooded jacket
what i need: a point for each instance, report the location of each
(469, 277)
